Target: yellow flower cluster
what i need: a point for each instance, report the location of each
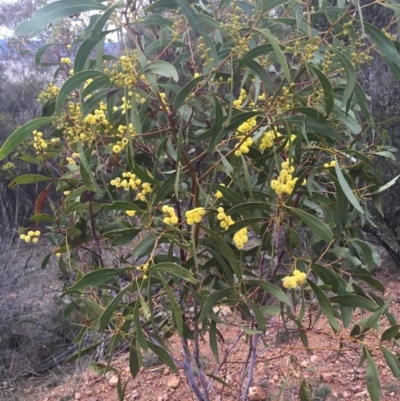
(225, 221)
(143, 269)
(247, 126)
(285, 182)
(32, 235)
(244, 147)
(268, 139)
(242, 97)
(65, 60)
(162, 96)
(130, 213)
(38, 142)
(331, 164)
(98, 116)
(129, 181)
(195, 215)
(72, 159)
(170, 216)
(243, 129)
(219, 194)
(8, 166)
(121, 144)
(292, 139)
(146, 189)
(124, 73)
(50, 92)
(240, 238)
(298, 278)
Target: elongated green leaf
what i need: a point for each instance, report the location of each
(354, 301)
(350, 73)
(93, 102)
(73, 83)
(392, 361)
(85, 168)
(55, 11)
(191, 15)
(212, 301)
(19, 135)
(164, 355)
(383, 45)
(226, 251)
(83, 53)
(315, 224)
(144, 247)
(346, 188)
(327, 276)
(278, 51)
(95, 278)
(174, 270)
(76, 207)
(134, 361)
(259, 70)
(373, 320)
(390, 333)
(123, 206)
(40, 52)
(97, 30)
(347, 119)
(213, 340)
(386, 186)
(327, 88)
(255, 52)
(325, 304)
(28, 179)
(176, 310)
(161, 68)
(304, 394)
(141, 338)
(185, 91)
(108, 312)
(98, 83)
(373, 381)
(271, 289)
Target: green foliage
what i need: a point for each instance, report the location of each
(225, 160)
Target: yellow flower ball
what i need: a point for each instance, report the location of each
(35, 240)
(130, 213)
(37, 233)
(117, 149)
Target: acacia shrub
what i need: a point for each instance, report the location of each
(226, 121)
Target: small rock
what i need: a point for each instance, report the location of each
(174, 382)
(109, 375)
(113, 381)
(163, 397)
(78, 396)
(89, 392)
(362, 393)
(275, 378)
(354, 389)
(166, 372)
(135, 395)
(313, 358)
(257, 393)
(304, 364)
(345, 394)
(327, 377)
